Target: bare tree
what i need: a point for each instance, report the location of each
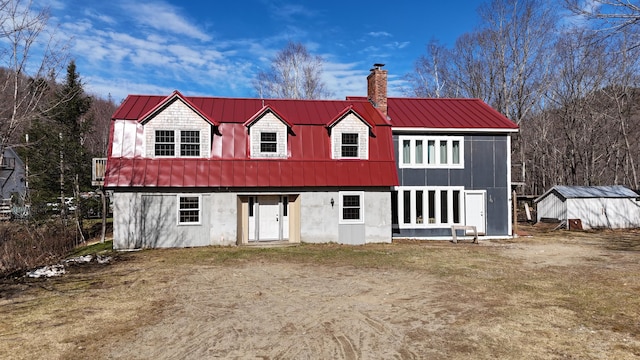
(430, 75)
(609, 16)
(97, 141)
(32, 59)
(293, 74)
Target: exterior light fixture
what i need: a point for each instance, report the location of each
(332, 202)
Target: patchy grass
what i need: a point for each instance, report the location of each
(555, 295)
(95, 248)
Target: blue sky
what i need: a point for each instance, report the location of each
(215, 48)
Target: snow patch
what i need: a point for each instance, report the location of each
(47, 271)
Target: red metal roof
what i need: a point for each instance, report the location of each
(467, 114)
(238, 110)
(446, 113)
(127, 172)
(309, 162)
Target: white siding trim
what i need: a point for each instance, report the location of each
(450, 130)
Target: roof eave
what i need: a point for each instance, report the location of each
(450, 130)
(175, 95)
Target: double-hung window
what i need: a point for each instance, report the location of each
(187, 145)
(189, 209)
(431, 152)
(268, 142)
(165, 143)
(351, 207)
(190, 143)
(350, 145)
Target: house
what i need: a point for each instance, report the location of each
(612, 207)
(192, 171)
(453, 163)
(13, 185)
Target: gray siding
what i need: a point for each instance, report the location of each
(485, 168)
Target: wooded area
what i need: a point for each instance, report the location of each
(54, 126)
(566, 73)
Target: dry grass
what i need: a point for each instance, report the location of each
(551, 296)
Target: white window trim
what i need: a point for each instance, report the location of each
(177, 133)
(412, 152)
(199, 222)
(179, 143)
(272, 154)
(175, 141)
(426, 225)
(341, 195)
(357, 145)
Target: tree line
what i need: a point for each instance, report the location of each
(566, 73)
(55, 127)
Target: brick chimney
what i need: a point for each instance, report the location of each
(377, 87)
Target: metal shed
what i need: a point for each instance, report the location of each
(613, 207)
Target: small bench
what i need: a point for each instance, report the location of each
(465, 228)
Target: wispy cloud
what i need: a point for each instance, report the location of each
(153, 48)
(164, 17)
(379, 34)
(397, 44)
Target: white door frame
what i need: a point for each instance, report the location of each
(260, 215)
(471, 214)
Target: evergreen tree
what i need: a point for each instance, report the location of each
(59, 135)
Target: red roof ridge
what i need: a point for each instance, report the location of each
(344, 112)
(176, 95)
(264, 109)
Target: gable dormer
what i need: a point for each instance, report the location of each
(177, 128)
(349, 135)
(268, 134)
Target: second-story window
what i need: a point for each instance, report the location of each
(190, 143)
(349, 145)
(268, 142)
(165, 144)
(418, 151)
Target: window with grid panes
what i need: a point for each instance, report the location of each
(165, 143)
(188, 209)
(190, 143)
(268, 142)
(349, 145)
(351, 210)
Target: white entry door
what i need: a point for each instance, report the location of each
(269, 218)
(474, 205)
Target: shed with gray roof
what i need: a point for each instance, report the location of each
(612, 207)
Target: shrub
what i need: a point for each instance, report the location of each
(26, 246)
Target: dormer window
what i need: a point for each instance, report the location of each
(268, 142)
(350, 145)
(166, 146)
(190, 143)
(268, 135)
(165, 143)
(349, 136)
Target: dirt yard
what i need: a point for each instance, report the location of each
(551, 296)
